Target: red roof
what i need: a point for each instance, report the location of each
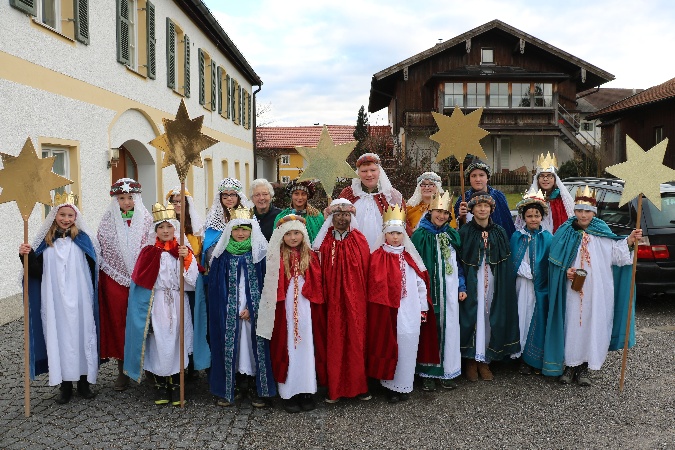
(654, 94)
(291, 137)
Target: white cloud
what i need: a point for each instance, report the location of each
(317, 58)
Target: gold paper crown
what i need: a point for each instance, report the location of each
(441, 201)
(393, 213)
(585, 196)
(534, 194)
(548, 162)
(160, 213)
(241, 213)
(66, 197)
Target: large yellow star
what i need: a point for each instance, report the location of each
(183, 141)
(28, 179)
(327, 161)
(459, 135)
(643, 172)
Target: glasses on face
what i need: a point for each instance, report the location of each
(175, 202)
(547, 176)
(427, 185)
(225, 195)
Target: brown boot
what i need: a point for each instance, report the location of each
(484, 370)
(471, 370)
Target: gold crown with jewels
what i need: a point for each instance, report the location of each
(160, 213)
(547, 163)
(64, 198)
(393, 215)
(585, 196)
(441, 201)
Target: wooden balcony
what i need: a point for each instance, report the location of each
(512, 120)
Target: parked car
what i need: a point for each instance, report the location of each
(656, 250)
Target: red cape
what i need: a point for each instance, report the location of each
(147, 265)
(384, 299)
(558, 212)
(312, 291)
(344, 267)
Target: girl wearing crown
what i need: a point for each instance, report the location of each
(557, 197)
(438, 244)
(529, 256)
(292, 314)
(401, 321)
(417, 206)
(371, 193)
(589, 277)
(153, 316)
(301, 192)
(240, 359)
(62, 300)
(488, 318)
(123, 231)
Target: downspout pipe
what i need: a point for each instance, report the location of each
(255, 140)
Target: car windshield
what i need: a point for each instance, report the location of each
(665, 217)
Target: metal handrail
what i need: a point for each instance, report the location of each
(575, 124)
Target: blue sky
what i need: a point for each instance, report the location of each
(316, 58)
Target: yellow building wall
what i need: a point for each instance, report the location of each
(294, 169)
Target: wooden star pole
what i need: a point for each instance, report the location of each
(459, 135)
(182, 143)
(27, 180)
(643, 173)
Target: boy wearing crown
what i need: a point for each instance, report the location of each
(401, 321)
(438, 244)
(558, 199)
(240, 362)
(344, 256)
(153, 317)
(488, 318)
(587, 319)
(529, 256)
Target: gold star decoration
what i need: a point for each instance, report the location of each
(182, 142)
(327, 161)
(643, 172)
(459, 135)
(27, 179)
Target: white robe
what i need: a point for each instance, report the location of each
(526, 300)
(588, 322)
(369, 218)
(408, 323)
(483, 311)
(245, 361)
(162, 350)
(67, 312)
(301, 376)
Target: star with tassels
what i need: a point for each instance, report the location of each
(182, 142)
(28, 179)
(459, 135)
(327, 161)
(643, 172)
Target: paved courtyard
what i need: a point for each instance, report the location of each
(514, 411)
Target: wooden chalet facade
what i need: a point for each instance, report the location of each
(528, 89)
(647, 117)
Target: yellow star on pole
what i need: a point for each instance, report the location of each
(28, 179)
(459, 135)
(327, 161)
(643, 172)
(182, 142)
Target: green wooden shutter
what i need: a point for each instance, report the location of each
(27, 6)
(186, 72)
(248, 111)
(227, 96)
(240, 92)
(81, 20)
(123, 31)
(170, 54)
(234, 101)
(150, 27)
(213, 85)
(220, 90)
(202, 87)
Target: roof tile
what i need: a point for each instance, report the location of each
(308, 136)
(654, 94)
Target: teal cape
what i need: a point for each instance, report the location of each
(504, 334)
(538, 242)
(564, 248)
(424, 239)
(313, 225)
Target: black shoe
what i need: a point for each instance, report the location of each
(65, 392)
(291, 405)
(83, 388)
(428, 384)
(449, 384)
(583, 377)
(162, 395)
(403, 397)
(173, 386)
(524, 369)
(567, 376)
(365, 396)
(393, 397)
(307, 402)
(256, 401)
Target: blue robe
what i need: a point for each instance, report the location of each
(538, 242)
(501, 215)
(224, 324)
(38, 348)
(564, 248)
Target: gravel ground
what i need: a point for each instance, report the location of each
(514, 411)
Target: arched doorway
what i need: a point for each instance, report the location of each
(126, 167)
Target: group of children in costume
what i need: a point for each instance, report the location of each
(369, 292)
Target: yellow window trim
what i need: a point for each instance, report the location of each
(138, 74)
(73, 148)
(35, 23)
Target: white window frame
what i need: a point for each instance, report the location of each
(285, 179)
(57, 14)
(285, 160)
(133, 34)
(48, 151)
(482, 55)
